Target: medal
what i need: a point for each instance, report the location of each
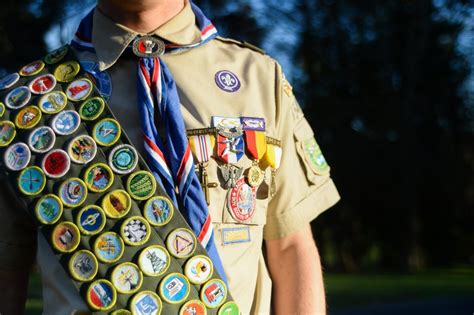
(230, 141)
(256, 145)
(273, 159)
(230, 173)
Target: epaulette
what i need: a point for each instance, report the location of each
(242, 44)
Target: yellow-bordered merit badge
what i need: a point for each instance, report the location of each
(2, 109)
(99, 177)
(42, 139)
(82, 149)
(108, 247)
(198, 269)
(53, 102)
(83, 266)
(91, 220)
(56, 55)
(66, 122)
(28, 117)
(154, 260)
(65, 237)
(49, 209)
(314, 157)
(9, 80)
(92, 108)
(79, 90)
(106, 132)
(135, 231)
(17, 156)
(31, 181)
(116, 204)
(33, 68)
(123, 159)
(214, 293)
(7, 132)
(193, 307)
(229, 308)
(43, 84)
(141, 185)
(121, 312)
(18, 97)
(127, 278)
(146, 302)
(174, 288)
(158, 210)
(181, 243)
(101, 295)
(73, 192)
(67, 71)
(56, 163)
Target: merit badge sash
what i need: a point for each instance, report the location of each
(256, 146)
(113, 228)
(230, 140)
(273, 159)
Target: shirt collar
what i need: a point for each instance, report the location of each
(110, 39)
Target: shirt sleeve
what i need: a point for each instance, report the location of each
(304, 188)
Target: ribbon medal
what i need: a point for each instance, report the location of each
(230, 141)
(256, 145)
(273, 159)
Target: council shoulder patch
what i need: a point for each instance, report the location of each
(314, 157)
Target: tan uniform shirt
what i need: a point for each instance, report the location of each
(303, 191)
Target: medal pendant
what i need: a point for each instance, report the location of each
(255, 175)
(205, 182)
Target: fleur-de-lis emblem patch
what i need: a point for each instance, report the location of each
(227, 81)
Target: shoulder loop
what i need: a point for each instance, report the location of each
(242, 44)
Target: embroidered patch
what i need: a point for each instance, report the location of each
(241, 201)
(66, 237)
(141, 185)
(154, 260)
(41, 139)
(102, 79)
(146, 302)
(56, 55)
(31, 181)
(79, 90)
(8, 81)
(17, 156)
(198, 269)
(227, 81)
(49, 209)
(174, 288)
(91, 220)
(56, 163)
(53, 102)
(193, 307)
(66, 122)
(314, 157)
(101, 295)
(83, 266)
(42, 84)
(67, 71)
(108, 247)
(99, 177)
(229, 308)
(214, 293)
(106, 132)
(82, 149)
(28, 117)
(135, 231)
(117, 203)
(18, 97)
(7, 132)
(127, 278)
(73, 192)
(123, 159)
(235, 235)
(158, 211)
(32, 68)
(181, 243)
(92, 108)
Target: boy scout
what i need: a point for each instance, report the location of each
(225, 85)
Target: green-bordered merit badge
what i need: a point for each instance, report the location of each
(92, 108)
(214, 293)
(154, 260)
(67, 71)
(91, 220)
(79, 90)
(127, 278)
(181, 243)
(9, 80)
(101, 295)
(229, 308)
(18, 97)
(53, 102)
(28, 117)
(56, 55)
(66, 122)
(65, 237)
(135, 231)
(158, 210)
(31, 181)
(146, 302)
(32, 68)
(106, 132)
(108, 247)
(43, 84)
(41, 139)
(193, 307)
(82, 149)
(56, 163)
(314, 156)
(123, 159)
(198, 269)
(174, 288)
(83, 266)
(116, 204)
(7, 132)
(73, 192)
(99, 177)
(141, 185)
(48, 209)
(17, 156)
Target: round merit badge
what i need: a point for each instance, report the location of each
(227, 81)
(141, 185)
(66, 237)
(213, 293)
(229, 308)
(18, 97)
(79, 90)
(66, 122)
(121, 312)
(99, 177)
(53, 102)
(174, 288)
(101, 295)
(127, 278)
(41, 139)
(42, 84)
(193, 307)
(56, 55)
(83, 266)
(92, 108)
(154, 260)
(7, 132)
(56, 163)
(123, 159)
(241, 201)
(146, 302)
(91, 220)
(67, 71)
(17, 156)
(198, 269)
(135, 231)
(158, 210)
(181, 243)
(28, 117)
(2, 109)
(116, 204)
(108, 247)
(31, 181)
(32, 68)
(8, 81)
(106, 132)
(82, 149)
(49, 209)
(73, 192)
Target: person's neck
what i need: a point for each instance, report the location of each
(142, 16)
